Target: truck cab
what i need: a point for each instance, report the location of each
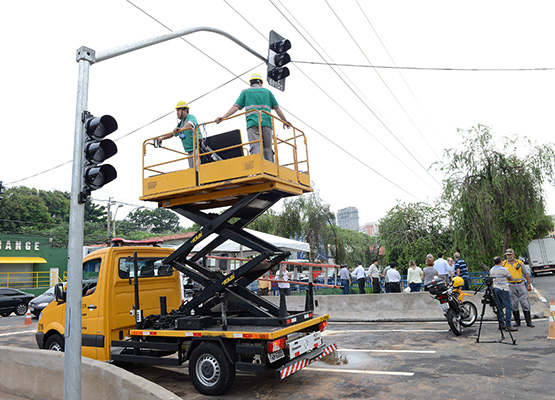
(108, 298)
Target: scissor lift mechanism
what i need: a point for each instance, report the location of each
(252, 185)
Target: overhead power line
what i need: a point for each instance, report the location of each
(424, 68)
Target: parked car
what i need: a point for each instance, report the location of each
(38, 303)
(13, 300)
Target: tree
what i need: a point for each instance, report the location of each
(160, 220)
(22, 210)
(411, 231)
(495, 196)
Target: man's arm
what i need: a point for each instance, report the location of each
(231, 111)
(286, 124)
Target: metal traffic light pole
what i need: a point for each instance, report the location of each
(86, 57)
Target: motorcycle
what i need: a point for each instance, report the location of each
(459, 312)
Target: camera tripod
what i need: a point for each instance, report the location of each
(491, 298)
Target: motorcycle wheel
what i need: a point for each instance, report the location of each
(454, 322)
(469, 313)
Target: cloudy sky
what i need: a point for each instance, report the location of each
(372, 132)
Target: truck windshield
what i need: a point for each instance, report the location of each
(147, 266)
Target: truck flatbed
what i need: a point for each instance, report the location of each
(236, 332)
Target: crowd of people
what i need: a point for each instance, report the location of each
(511, 283)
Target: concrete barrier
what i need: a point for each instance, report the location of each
(396, 307)
(39, 374)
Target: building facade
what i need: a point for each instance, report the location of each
(347, 218)
(22, 255)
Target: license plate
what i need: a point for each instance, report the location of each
(273, 357)
(444, 306)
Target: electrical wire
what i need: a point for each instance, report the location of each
(426, 68)
(390, 91)
(350, 87)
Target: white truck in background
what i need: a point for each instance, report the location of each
(542, 255)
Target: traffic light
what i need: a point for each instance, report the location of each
(97, 150)
(277, 58)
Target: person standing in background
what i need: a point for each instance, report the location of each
(360, 276)
(461, 269)
(394, 278)
(374, 274)
(345, 277)
(414, 277)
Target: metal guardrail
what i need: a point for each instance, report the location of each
(28, 280)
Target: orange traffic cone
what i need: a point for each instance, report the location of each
(551, 334)
(28, 317)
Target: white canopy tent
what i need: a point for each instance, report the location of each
(231, 247)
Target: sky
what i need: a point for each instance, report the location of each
(372, 133)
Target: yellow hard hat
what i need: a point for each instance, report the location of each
(458, 282)
(181, 104)
(256, 77)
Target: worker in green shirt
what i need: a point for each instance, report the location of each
(185, 129)
(258, 98)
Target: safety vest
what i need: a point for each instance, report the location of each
(515, 269)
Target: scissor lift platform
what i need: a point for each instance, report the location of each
(235, 174)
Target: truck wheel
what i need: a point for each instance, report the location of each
(210, 370)
(55, 343)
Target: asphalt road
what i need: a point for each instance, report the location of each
(545, 284)
(386, 361)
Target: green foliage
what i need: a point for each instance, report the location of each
(495, 194)
(23, 210)
(353, 247)
(411, 231)
(160, 220)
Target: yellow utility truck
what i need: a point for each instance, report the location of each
(132, 309)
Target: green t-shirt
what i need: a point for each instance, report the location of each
(187, 136)
(257, 98)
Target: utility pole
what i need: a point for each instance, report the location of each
(87, 57)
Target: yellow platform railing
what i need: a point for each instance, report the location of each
(167, 174)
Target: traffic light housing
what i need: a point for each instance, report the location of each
(97, 149)
(277, 58)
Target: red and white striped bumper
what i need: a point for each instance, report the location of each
(304, 361)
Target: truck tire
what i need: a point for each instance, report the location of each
(55, 343)
(210, 370)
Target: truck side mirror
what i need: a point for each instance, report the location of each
(59, 292)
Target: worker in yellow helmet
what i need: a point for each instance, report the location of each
(258, 98)
(185, 129)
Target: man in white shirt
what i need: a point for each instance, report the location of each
(360, 276)
(283, 276)
(394, 278)
(374, 274)
(443, 268)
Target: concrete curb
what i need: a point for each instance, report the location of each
(39, 374)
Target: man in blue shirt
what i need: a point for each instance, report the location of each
(461, 269)
(257, 98)
(501, 278)
(345, 277)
